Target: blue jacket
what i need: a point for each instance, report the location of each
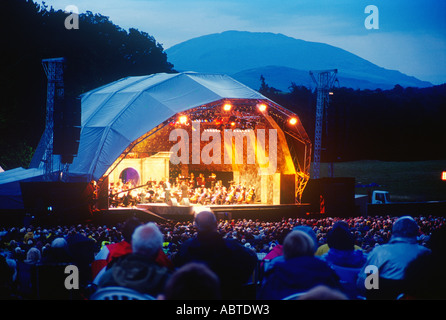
(345, 258)
(233, 263)
(391, 259)
(295, 275)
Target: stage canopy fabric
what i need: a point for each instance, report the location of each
(116, 114)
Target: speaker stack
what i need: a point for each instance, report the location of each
(331, 196)
(67, 128)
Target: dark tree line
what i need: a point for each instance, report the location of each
(398, 124)
(97, 53)
(402, 124)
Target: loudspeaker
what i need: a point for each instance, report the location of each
(173, 202)
(185, 202)
(67, 128)
(331, 196)
(287, 189)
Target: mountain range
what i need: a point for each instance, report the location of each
(282, 60)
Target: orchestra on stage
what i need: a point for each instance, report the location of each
(183, 191)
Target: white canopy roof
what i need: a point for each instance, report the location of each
(115, 115)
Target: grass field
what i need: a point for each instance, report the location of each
(406, 181)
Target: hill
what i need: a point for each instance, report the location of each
(245, 55)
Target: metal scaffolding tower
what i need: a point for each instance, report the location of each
(324, 82)
(55, 94)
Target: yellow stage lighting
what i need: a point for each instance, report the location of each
(262, 107)
(293, 121)
(227, 107)
(182, 119)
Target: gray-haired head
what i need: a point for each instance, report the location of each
(297, 244)
(147, 240)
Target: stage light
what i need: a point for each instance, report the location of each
(331, 93)
(227, 107)
(232, 124)
(293, 121)
(183, 119)
(443, 176)
(262, 107)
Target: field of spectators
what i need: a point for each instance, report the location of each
(38, 244)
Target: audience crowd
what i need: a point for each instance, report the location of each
(236, 259)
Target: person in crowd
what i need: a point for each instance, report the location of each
(299, 271)
(6, 281)
(233, 263)
(322, 292)
(343, 257)
(425, 275)
(114, 250)
(280, 258)
(117, 249)
(82, 252)
(277, 250)
(58, 252)
(193, 281)
(391, 260)
(324, 248)
(342, 251)
(139, 270)
(33, 256)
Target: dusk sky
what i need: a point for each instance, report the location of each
(411, 37)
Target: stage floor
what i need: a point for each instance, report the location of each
(242, 211)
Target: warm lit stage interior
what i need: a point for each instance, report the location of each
(238, 157)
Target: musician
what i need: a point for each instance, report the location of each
(166, 187)
(184, 190)
(201, 181)
(192, 181)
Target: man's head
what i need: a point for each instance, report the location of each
(193, 281)
(340, 237)
(205, 221)
(405, 227)
(129, 227)
(147, 240)
(297, 244)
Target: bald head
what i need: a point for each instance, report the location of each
(205, 221)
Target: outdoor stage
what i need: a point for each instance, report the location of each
(162, 211)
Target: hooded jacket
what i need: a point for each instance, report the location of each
(345, 258)
(295, 275)
(136, 272)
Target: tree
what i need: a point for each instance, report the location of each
(97, 53)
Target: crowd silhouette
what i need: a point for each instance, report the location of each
(302, 258)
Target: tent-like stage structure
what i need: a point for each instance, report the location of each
(146, 129)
